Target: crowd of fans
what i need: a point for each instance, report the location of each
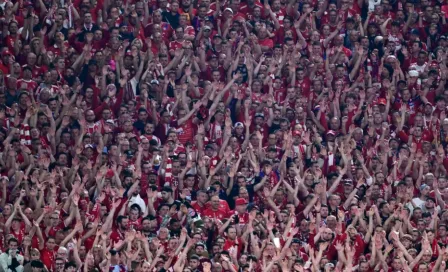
(229, 136)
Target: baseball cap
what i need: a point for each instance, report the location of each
(382, 101)
(415, 32)
(239, 124)
(423, 186)
(426, 138)
(229, 9)
(6, 53)
(240, 201)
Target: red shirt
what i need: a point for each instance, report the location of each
(175, 45)
(4, 68)
(243, 218)
(29, 85)
(279, 95)
(198, 208)
(266, 42)
(48, 258)
(280, 15)
(37, 70)
(222, 205)
(189, 30)
(20, 234)
(220, 213)
(137, 224)
(245, 9)
(58, 50)
(116, 235)
(185, 132)
(232, 243)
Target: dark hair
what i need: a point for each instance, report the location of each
(194, 257)
(69, 264)
(162, 205)
(13, 240)
(120, 218)
(37, 264)
(136, 207)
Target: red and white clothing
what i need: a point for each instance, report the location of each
(53, 89)
(38, 71)
(29, 85)
(175, 45)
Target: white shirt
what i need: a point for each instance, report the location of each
(6, 260)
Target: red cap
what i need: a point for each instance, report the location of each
(240, 201)
(332, 132)
(426, 138)
(6, 53)
(382, 101)
(109, 173)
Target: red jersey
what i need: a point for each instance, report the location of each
(48, 257)
(220, 213)
(116, 235)
(185, 132)
(37, 70)
(198, 208)
(175, 45)
(279, 95)
(29, 85)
